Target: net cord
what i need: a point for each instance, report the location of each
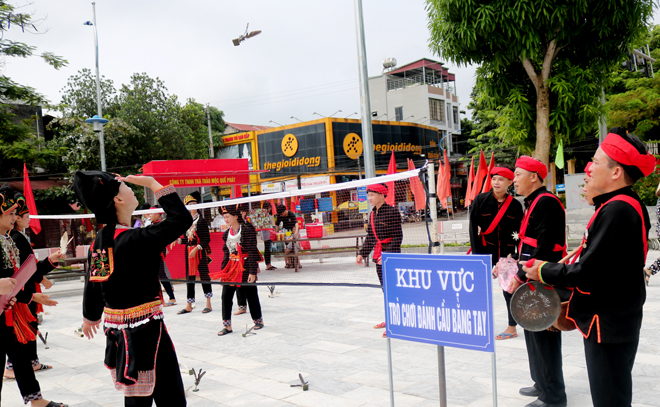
(258, 198)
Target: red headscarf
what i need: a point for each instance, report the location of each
(532, 165)
(621, 151)
(503, 171)
(587, 169)
(377, 188)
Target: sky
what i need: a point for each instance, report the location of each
(303, 62)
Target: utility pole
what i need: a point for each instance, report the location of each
(98, 90)
(208, 118)
(365, 105)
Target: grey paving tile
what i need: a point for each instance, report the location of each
(326, 334)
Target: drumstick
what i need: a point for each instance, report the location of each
(569, 255)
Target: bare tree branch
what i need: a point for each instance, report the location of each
(531, 72)
(547, 60)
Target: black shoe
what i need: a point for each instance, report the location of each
(539, 403)
(530, 391)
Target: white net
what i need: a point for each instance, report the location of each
(316, 242)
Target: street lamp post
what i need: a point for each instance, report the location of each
(99, 107)
(365, 104)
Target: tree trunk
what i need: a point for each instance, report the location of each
(543, 135)
(540, 80)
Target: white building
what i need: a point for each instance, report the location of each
(419, 92)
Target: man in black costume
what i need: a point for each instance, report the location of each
(607, 277)
(542, 236)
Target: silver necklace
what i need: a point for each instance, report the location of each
(11, 255)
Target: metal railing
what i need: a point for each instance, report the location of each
(400, 83)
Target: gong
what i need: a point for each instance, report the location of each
(535, 306)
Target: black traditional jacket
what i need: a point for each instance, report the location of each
(608, 278)
(199, 234)
(387, 221)
(501, 242)
(547, 224)
(44, 267)
(122, 285)
(248, 246)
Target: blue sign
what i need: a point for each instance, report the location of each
(324, 204)
(561, 187)
(439, 299)
(363, 204)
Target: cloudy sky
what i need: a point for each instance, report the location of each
(304, 61)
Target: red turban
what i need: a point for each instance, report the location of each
(377, 188)
(587, 169)
(532, 165)
(503, 171)
(621, 151)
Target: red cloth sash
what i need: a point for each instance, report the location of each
(498, 218)
(233, 271)
(378, 250)
(193, 262)
(19, 317)
(495, 222)
(635, 204)
(632, 202)
(523, 228)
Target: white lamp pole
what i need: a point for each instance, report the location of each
(365, 105)
(99, 107)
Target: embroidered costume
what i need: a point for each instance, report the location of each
(384, 233)
(241, 256)
(608, 279)
(33, 285)
(16, 324)
(492, 227)
(543, 236)
(197, 236)
(123, 289)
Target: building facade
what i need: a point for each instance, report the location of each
(423, 92)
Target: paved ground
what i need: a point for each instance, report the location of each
(326, 334)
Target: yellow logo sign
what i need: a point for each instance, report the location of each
(353, 146)
(289, 145)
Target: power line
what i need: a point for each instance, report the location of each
(292, 91)
(282, 100)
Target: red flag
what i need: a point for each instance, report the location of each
(391, 169)
(447, 174)
(440, 188)
(481, 173)
(273, 209)
(487, 184)
(87, 222)
(417, 189)
(293, 204)
(35, 225)
(470, 186)
(236, 191)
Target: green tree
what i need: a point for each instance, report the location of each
(80, 146)
(533, 54)
(17, 142)
(217, 119)
(633, 101)
(79, 96)
(169, 131)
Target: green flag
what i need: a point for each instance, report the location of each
(559, 157)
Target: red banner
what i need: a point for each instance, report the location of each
(199, 173)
